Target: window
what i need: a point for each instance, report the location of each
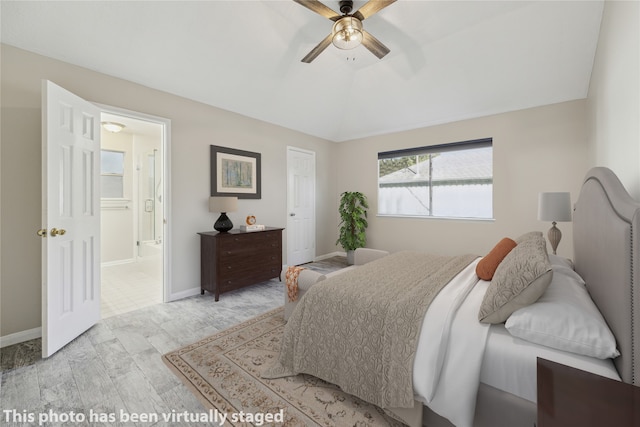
(112, 174)
(446, 181)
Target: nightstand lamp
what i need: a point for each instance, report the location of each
(223, 205)
(554, 207)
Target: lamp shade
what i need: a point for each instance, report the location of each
(554, 207)
(223, 204)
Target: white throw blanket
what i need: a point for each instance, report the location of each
(446, 376)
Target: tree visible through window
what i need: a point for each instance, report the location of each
(449, 180)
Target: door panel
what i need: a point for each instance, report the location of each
(70, 214)
(301, 237)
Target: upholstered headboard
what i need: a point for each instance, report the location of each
(606, 234)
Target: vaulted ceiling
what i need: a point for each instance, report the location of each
(449, 60)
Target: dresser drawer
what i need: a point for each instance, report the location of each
(234, 278)
(247, 244)
(256, 237)
(250, 261)
(249, 248)
(249, 254)
(230, 269)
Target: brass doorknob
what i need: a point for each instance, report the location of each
(42, 232)
(55, 232)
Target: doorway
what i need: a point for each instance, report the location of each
(133, 207)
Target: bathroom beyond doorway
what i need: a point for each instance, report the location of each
(132, 214)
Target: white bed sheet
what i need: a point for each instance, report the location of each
(509, 363)
(446, 371)
(456, 353)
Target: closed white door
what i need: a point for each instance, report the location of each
(301, 201)
(70, 217)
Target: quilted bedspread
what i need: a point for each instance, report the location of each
(360, 329)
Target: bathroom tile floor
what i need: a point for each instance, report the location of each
(131, 286)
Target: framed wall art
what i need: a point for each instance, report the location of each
(235, 173)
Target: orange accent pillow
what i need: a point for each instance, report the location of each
(487, 265)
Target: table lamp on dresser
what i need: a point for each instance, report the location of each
(223, 205)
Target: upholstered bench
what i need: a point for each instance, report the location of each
(308, 278)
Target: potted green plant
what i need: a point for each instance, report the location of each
(353, 222)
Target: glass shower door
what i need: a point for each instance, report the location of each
(150, 202)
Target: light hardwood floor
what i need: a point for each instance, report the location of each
(116, 366)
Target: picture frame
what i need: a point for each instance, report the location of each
(235, 173)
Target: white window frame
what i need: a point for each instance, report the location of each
(110, 174)
(429, 201)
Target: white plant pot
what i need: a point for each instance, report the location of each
(351, 257)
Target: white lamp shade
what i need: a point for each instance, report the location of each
(223, 204)
(554, 207)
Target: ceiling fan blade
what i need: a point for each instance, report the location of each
(374, 45)
(318, 49)
(371, 7)
(320, 9)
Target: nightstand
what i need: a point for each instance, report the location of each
(570, 397)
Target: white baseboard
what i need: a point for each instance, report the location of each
(19, 337)
(184, 294)
(330, 255)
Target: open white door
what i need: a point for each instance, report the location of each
(70, 217)
(301, 200)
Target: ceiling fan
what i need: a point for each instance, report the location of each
(347, 31)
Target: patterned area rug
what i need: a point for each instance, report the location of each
(223, 371)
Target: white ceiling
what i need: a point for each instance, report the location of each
(449, 60)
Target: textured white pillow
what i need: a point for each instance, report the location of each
(532, 235)
(565, 318)
(520, 279)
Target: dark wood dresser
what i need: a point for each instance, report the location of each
(236, 259)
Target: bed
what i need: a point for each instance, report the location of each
(483, 374)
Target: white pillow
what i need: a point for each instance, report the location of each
(565, 318)
(558, 260)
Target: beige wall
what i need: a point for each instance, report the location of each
(534, 150)
(614, 95)
(20, 218)
(194, 127)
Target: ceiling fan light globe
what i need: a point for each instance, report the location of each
(347, 33)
